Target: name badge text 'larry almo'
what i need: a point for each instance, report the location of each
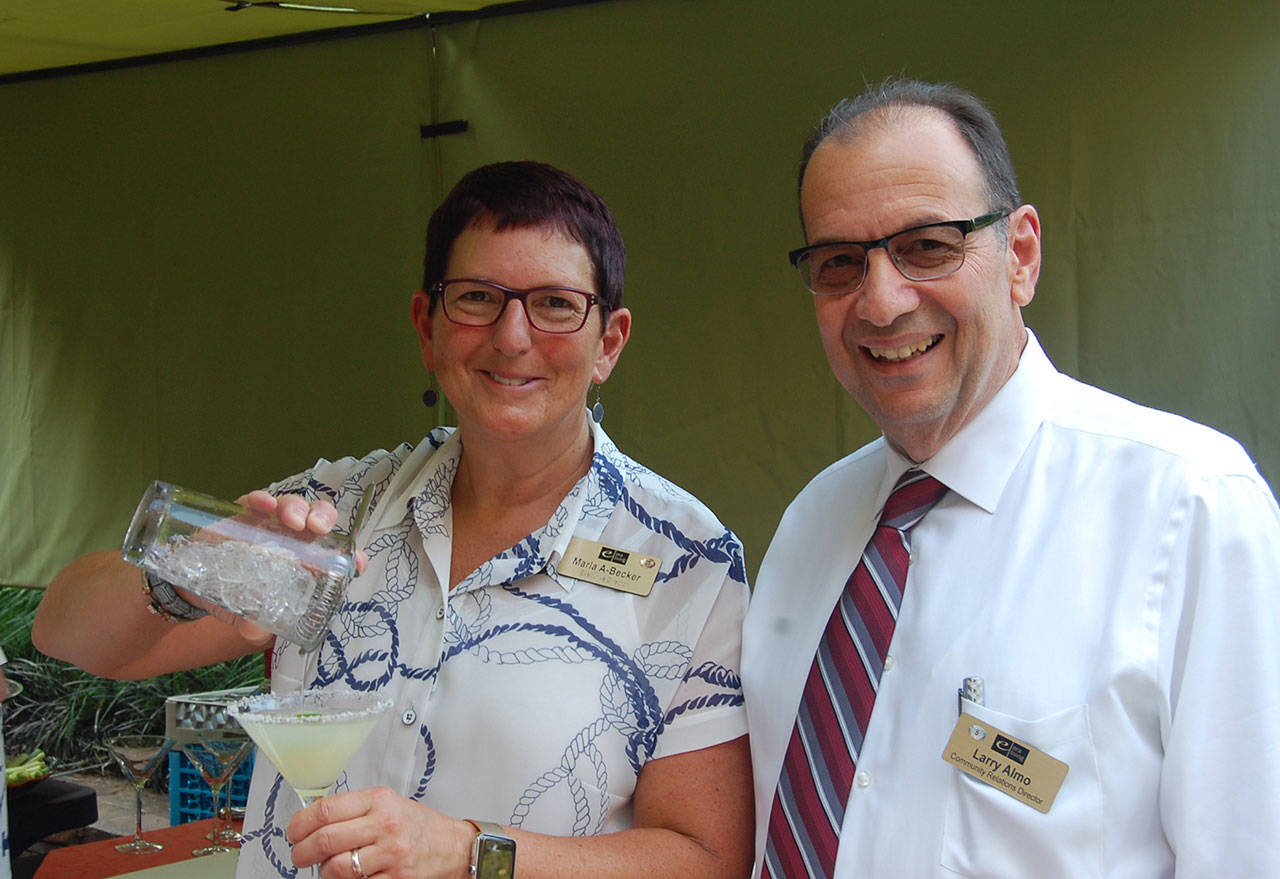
(983, 752)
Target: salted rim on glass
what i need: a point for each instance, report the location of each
(291, 707)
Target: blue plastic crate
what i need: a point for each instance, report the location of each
(187, 716)
(189, 796)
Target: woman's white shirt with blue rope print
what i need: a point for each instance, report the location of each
(526, 696)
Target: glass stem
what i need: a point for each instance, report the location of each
(218, 816)
(137, 796)
(307, 801)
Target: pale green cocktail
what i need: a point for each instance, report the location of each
(310, 735)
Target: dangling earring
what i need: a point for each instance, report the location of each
(597, 408)
(430, 397)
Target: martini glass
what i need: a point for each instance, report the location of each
(138, 757)
(311, 735)
(217, 754)
(228, 812)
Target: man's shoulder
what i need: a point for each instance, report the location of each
(1106, 417)
(834, 492)
(857, 471)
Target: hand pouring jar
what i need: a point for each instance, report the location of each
(289, 582)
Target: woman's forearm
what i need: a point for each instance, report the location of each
(95, 615)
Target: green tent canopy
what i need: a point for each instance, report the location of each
(206, 264)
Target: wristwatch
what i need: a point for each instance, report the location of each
(165, 602)
(493, 854)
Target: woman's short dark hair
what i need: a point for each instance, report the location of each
(523, 194)
(966, 111)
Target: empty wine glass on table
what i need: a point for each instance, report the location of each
(138, 756)
(311, 735)
(217, 753)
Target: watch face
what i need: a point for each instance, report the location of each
(495, 857)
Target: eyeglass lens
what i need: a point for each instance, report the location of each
(550, 309)
(920, 254)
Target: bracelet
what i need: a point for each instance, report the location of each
(165, 602)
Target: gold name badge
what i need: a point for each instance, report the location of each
(610, 567)
(1028, 775)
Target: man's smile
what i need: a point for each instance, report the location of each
(902, 352)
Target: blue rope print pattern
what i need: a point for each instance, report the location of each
(363, 648)
(717, 675)
(362, 620)
(724, 549)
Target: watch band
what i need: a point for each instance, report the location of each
(166, 603)
(493, 853)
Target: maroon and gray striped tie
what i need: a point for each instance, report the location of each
(817, 770)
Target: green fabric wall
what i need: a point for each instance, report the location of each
(205, 266)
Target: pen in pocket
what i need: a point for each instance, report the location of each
(971, 689)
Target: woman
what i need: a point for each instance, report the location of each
(545, 676)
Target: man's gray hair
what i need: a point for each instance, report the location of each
(966, 111)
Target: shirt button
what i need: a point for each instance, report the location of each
(863, 778)
(440, 612)
(408, 717)
(889, 662)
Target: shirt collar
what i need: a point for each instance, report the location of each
(588, 505)
(435, 458)
(423, 487)
(977, 462)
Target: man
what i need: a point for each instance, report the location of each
(1094, 586)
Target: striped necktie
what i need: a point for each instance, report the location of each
(817, 769)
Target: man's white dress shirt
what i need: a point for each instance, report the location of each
(1112, 573)
(523, 696)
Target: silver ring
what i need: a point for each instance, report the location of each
(355, 864)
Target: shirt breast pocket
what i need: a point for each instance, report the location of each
(988, 833)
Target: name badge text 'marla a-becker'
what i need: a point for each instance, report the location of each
(610, 567)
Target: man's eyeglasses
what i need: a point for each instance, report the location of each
(921, 253)
(474, 303)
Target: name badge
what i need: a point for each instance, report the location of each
(610, 567)
(1011, 766)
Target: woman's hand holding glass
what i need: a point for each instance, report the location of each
(294, 512)
(395, 837)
